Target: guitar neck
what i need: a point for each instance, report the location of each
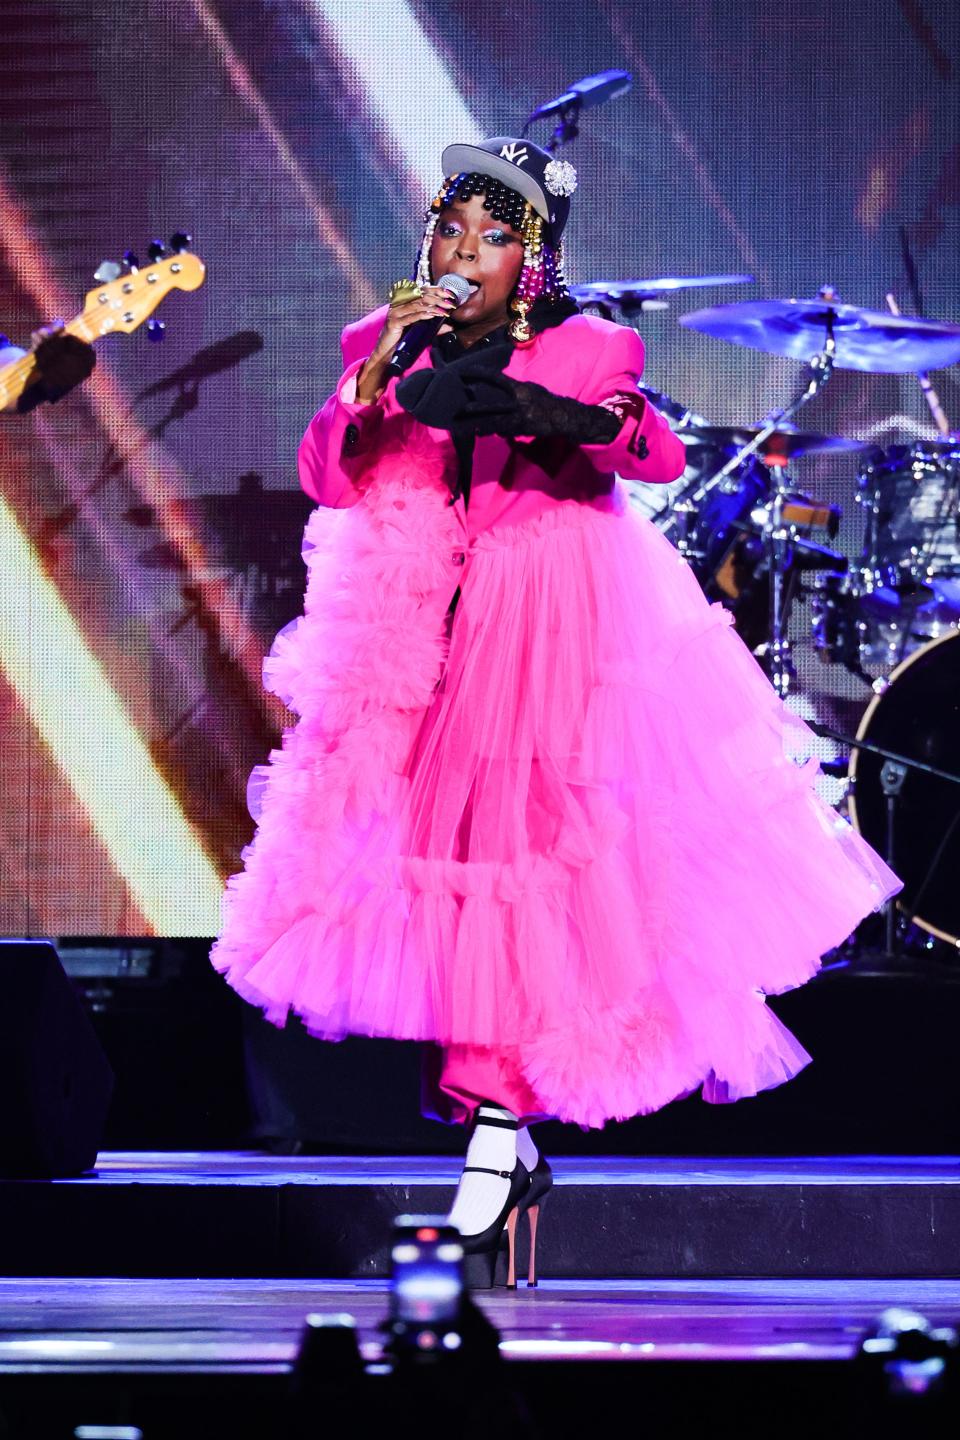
(83, 328)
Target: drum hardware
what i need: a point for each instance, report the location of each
(892, 773)
(847, 626)
(777, 532)
(819, 371)
(905, 587)
(810, 556)
(913, 282)
(718, 523)
(801, 510)
(859, 625)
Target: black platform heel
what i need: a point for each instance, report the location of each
(541, 1183)
(482, 1251)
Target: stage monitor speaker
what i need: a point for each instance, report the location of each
(55, 1080)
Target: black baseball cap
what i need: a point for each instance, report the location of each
(535, 174)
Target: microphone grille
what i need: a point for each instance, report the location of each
(458, 287)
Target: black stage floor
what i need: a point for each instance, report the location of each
(247, 1215)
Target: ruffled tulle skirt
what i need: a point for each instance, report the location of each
(574, 822)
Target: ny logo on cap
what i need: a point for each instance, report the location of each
(515, 153)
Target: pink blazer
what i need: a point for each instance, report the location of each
(589, 359)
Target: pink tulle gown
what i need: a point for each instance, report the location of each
(564, 829)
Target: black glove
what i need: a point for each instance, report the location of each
(434, 397)
(439, 397)
(62, 361)
(503, 406)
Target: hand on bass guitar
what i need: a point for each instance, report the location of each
(61, 354)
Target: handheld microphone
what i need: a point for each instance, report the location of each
(416, 338)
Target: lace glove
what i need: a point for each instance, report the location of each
(499, 405)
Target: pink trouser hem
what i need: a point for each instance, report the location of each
(461, 1077)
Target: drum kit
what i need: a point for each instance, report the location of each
(890, 614)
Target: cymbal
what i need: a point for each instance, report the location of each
(871, 340)
(785, 442)
(679, 415)
(633, 292)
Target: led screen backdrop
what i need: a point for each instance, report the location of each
(150, 523)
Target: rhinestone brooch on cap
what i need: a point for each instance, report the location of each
(560, 178)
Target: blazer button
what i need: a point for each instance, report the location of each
(459, 558)
(350, 436)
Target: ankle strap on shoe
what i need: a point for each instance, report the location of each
(495, 1122)
(482, 1170)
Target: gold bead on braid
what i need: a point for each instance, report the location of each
(530, 284)
(532, 232)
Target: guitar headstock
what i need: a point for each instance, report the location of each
(125, 302)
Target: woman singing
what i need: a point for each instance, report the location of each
(538, 808)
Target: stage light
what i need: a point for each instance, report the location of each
(387, 49)
(107, 1432)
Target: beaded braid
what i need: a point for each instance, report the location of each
(541, 277)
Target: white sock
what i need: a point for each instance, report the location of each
(527, 1152)
(480, 1198)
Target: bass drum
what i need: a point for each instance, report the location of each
(918, 716)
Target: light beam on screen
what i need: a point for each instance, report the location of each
(406, 83)
(67, 695)
(115, 554)
(364, 296)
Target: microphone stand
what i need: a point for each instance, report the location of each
(567, 129)
(893, 774)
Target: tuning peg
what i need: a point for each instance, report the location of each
(130, 260)
(106, 271)
(156, 251)
(180, 241)
(156, 330)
